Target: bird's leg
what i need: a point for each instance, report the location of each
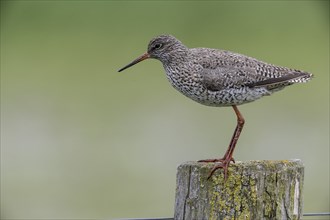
(228, 157)
(226, 154)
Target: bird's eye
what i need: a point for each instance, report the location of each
(158, 46)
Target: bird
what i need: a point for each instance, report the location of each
(215, 77)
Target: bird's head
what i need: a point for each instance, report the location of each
(162, 47)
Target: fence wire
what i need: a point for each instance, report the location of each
(317, 214)
(310, 214)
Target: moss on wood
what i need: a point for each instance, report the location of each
(253, 190)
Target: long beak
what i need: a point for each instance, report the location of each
(137, 60)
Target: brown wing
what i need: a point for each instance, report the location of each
(227, 77)
(225, 70)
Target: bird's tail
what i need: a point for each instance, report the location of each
(302, 77)
(295, 76)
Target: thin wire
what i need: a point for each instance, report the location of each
(164, 218)
(317, 214)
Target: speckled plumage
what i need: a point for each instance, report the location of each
(219, 78)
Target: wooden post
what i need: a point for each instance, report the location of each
(253, 190)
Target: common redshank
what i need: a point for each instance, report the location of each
(215, 77)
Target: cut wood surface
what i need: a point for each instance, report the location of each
(253, 190)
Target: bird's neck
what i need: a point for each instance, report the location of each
(176, 57)
(177, 70)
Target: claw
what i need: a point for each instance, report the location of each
(222, 163)
(216, 160)
(211, 160)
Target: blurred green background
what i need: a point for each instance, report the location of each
(80, 140)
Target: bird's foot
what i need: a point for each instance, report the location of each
(224, 165)
(216, 160)
(221, 163)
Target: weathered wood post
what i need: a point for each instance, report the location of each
(254, 190)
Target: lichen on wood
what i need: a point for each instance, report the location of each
(253, 190)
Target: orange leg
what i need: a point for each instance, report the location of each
(228, 157)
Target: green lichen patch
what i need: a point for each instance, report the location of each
(253, 190)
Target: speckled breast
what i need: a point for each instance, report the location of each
(191, 85)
